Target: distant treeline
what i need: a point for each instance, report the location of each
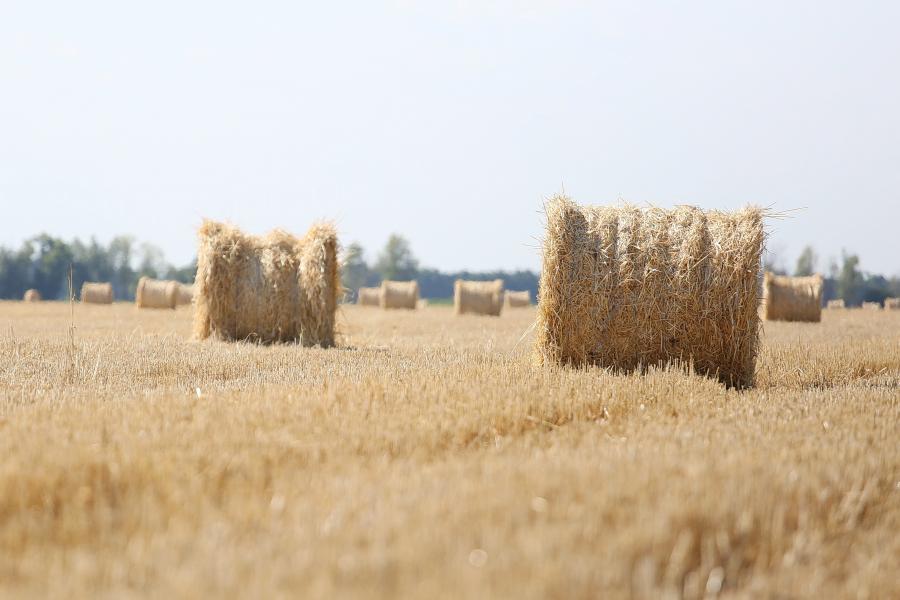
(43, 263)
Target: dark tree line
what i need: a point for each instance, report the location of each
(43, 263)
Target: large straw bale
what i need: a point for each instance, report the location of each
(478, 297)
(892, 304)
(871, 306)
(369, 296)
(185, 294)
(518, 299)
(96, 293)
(792, 298)
(32, 295)
(156, 293)
(835, 303)
(399, 294)
(273, 288)
(625, 287)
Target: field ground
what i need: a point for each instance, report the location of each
(426, 457)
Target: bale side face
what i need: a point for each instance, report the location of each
(478, 297)
(185, 294)
(871, 306)
(96, 293)
(892, 304)
(275, 288)
(369, 296)
(792, 298)
(628, 288)
(837, 303)
(399, 294)
(32, 295)
(156, 293)
(518, 299)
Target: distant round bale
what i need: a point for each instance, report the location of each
(32, 295)
(156, 293)
(627, 288)
(185, 294)
(518, 299)
(96, 293)
(478, 297)
(792, 298)
(836, 303)
(399, 294)
(892, 304)
(274, 288)
(369, 296)
(871, 306)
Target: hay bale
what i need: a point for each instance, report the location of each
(273, 288)
(871, 306)
(422, 303)
(369, 296)
(156, 293)
(96, 293)
(518, 299)
(834, 304)
(399, 294)
(792, 298)
(32, 295)
(478, 297)
(185, 294)
(892, 304)
(628, 287)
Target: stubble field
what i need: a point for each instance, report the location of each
(427, 457)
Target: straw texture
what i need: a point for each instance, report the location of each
(32, 295)
(96, 293)
(625, 287)
(156, 293)
(399, 294)
(792, 298)
(892, 304)
(369, 296)
(478, 297)
(275, 288)
(518, 299)
(185, 294)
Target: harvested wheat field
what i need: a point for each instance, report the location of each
(427, 456)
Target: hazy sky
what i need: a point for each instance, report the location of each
(449, 125)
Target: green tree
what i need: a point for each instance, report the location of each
(850, 280)
(806, 262)
(51, 259)
(355, 271)
(396, 260)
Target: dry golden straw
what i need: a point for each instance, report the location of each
(274, 288)
(399, 294)
(792, 298)
(96, 293)
(836, 303)
(369, 296)
(871, 306)
(478, 297)
(32, 295)
(892, 304)
(629, 287)
(185, 294)
(518, 299)
(156, 293)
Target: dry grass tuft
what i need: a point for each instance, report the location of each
(399, 294)
(518, 299)
(96, 293)
(627, 288)
(275, 288)
(478, 297)
(792, 298)
(155, 293)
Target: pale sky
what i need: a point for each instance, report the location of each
(448, 125)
